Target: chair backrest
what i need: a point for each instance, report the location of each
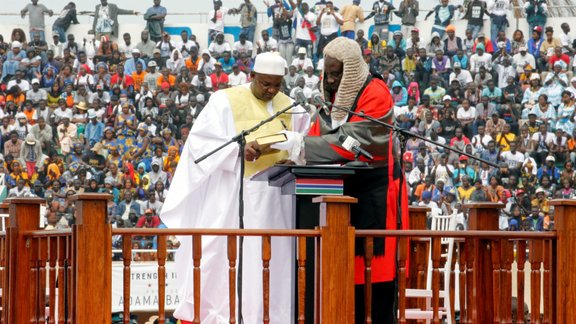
(442, 223)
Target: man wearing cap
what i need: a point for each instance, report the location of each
(152, 76)
(462, 76)
(301, 62)
(94, 129)
(149, 220)
(155, 17)
(523, 59)
(130, 64)
(192, 197)
(549, 168)
(31, 154)
(36, 94)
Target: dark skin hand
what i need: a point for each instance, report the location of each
(252, 151)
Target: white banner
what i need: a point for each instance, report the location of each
(143, 287)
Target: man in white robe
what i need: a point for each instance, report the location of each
(205, 195)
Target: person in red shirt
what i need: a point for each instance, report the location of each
(124, 81)
(219, 79)
(459, 141)
(558, 56)
(149, 220)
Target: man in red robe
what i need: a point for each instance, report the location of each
(381, 200)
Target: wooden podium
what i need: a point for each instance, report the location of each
(304, 183)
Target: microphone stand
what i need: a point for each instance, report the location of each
(403, 136)
(240, 139)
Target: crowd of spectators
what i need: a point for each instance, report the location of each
(109, 114)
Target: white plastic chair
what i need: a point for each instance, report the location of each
(439, 223)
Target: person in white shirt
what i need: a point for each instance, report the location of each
(481, 140)
(329, 21)
(522, 59)
(126, 48)
(36, 94)
(498, 10)
(216, 20)
(305, 20)
(19, 80)
(90, 46)
(302, 62)
(219, 46)
(266, 44)
(237, 77)
(513, 158)
(185, 44)
(466, 115)
(311, 81)
(463, 76)
(566, 39)
(542, 142)
(505, 70)
(56, 47)
(480, 59)
(242, 46)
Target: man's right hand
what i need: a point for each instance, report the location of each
(252, 151)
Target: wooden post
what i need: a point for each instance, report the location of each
(18, 296)
(565, 267)
(482, 217)
(418, 256)
(93, 259)
(336, 260)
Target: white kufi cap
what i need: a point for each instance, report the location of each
(270, 63)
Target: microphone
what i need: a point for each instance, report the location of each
(317, 100)
(352, 145)
(301, 99)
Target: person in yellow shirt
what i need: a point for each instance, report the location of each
(350, 14)
(504, 138)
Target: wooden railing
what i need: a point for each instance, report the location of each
(64, 276)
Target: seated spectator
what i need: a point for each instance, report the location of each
(149, 220)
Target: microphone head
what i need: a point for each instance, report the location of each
(301, 99)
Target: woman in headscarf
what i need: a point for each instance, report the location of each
(565, 113)
(175, 62)
(144, 149)
(555, 83)
(54, 95)
(48, 76)
(126, 123)
(53, 172)
(102, 77)
(207, 63)
(84, 77)
(13, 59)
(171, 161)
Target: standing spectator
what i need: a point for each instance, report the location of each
(536, 11)
(498, 10)
(475, 16)
(408, 11)
(329, 21)
(275, 11)
(351, 13)
(305, 26)
(216, 20)
(106, 19)
(443, 15)
(284, 35)
(36, 18)
(155, 17)
(65, 19)
(31, 155)
(248, 18)
(381, 11)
